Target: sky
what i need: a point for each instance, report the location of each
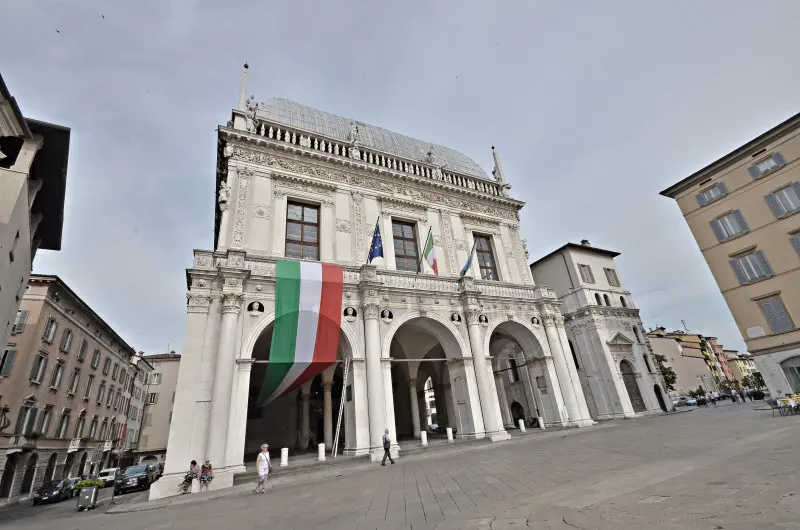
(594, 108)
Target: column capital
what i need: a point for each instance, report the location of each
(197, 303)
(473, 315)
(371, 310)
(232, 302)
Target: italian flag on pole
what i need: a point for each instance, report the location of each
(430, 253)
(305, 335)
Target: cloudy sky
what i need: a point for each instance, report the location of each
(594, 107)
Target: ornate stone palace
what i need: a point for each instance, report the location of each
(298, 183)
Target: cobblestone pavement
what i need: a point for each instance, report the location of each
(729, 467)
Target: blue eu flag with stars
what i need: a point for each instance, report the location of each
(376, 249)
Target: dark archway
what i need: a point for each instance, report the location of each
(574, 355)
(517, 412)
(27, 478)
(82, 468)
(51, 467)
(597, 299)
(608, 300)
(65, 473)
(660, 398)
(632, 386)
(8, 476)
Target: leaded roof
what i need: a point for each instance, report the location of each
(294, 114)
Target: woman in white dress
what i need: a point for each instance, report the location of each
(264, 467)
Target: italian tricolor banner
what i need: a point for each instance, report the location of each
(430, 253)
(305, 336)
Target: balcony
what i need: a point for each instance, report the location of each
(24, 443)
(263, 269)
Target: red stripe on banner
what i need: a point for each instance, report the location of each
(330, 321)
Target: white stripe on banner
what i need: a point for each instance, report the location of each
(307, 322)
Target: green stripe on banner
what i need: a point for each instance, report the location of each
(284, 331)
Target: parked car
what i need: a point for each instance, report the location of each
(108, 475)
(691, 402)
(52, 491)
(135, 478)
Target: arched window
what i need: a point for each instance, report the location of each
(597, 297)
(608, 301)
(574, 356)
(622, 301)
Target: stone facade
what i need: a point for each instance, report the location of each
(604, 332)
(400, 329)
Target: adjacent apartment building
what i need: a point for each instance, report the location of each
(741, 210)
(64, 376)
(33, 178)
(605, 334)
(159, 399)
(137, 389)
(685, 355)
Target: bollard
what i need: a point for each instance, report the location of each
(284, 457)
(521, 423)
(321, 451)
(423, 438)
(450, 434)
(541, 422)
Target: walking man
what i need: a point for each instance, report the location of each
(264, 467)
(387, 444)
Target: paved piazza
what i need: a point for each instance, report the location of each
(730, 467)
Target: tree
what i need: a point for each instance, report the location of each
(758, 379)
(669, 375)
(748, 382)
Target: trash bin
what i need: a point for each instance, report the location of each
(87, 499)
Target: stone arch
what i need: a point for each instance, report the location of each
(28, 476)
(263, 322)
(7, 479)
(453, 342)
(532, 344)
(49, 471)
(632, 385)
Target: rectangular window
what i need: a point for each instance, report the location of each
(63, 425)
(486, 261)
(96, 359)
(302, 231)
(751, 267)
(715, 192)
(74, 381)
(155, 378)
(115, 372)
(784, 201)
(101, 391)
(795, 244)
(611, 276)
(109, 396)
(79, 427)
(39, 367)
(729, 226)
(406, 254)
(89, 384)
(66, 341)
(58, 373)
(26, 420)
(19, 322)
(83, 349)
(107, 366)
(7, 361)
(93, 428)
(764, 167)
(153, 398)
(775, 313)
(44, 423)
(50, 328)
(586, 273)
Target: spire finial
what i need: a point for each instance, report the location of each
(499, 176)
(243, 89)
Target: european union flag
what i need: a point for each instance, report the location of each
(376, 249)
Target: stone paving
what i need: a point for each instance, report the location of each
(729, 467)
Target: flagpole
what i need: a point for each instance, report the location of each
(369, 250)
(421, 255)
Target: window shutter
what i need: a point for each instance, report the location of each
(795, 187)
(715, 226)
(31, 421)
(19, 322)
(777, 208)
(772, 312)
(8, 363)
(701, 199)
(36, 362)
(754, 172)
(778, 158)
(796, 243)
(740, 220)
(764, 263)
(20, 419)
(723, 189)
(737, 269)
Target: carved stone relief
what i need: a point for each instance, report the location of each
(245, 174)
(261, 211)
(343, 225)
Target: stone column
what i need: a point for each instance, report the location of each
(585, 418)
(328, 413)
(412, 387)
(492, 424)
(501, 395)
(305, 427)
(223, 378)
(562, 372)
(375, 397)
(237, 427)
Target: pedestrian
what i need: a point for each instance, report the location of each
(206, 475)
(263, 466)
(387, 444)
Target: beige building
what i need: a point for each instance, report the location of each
(685, 356)
(158, 401)
(33, 175)
(740, 210)
(742, 365)
(63, 380)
